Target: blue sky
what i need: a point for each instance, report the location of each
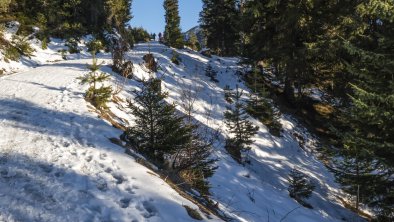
(150, 14)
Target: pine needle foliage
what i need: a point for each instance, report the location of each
(241, 129)
(300, 186)
(98, 94)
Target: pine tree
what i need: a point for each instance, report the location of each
(219, 20)
(300, 186)
(260, 108)
(157, 130)
(211, 73)
(367, 164)
(172, 34)
(239, 127)
(289, 36)
(193, 43)
(97, 96)
(162, 135)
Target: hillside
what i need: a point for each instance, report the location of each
(58, 163)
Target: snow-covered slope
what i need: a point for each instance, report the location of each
(57, 163)
(255, 192)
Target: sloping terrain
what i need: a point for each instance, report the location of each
(56, 160)
(57, 163)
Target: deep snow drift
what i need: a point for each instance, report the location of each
(57, 163)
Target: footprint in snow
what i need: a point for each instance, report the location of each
(130, 190)
(119, 178)
(124, 202)
(103, 156)
(89, 158)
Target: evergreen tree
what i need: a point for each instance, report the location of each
(260, 108)
(367, 164)
(172, 34)
(193, 43)
(300, 187)
(289, 36)
(161, 134)
(219, 20)
(158, 130)
(97, 96)
(239, 127)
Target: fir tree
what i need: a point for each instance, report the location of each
(261, 109)
(158, 130)
(366, 166)
(219, 20)
(172, 34)
(300, 187)
(162, 135)
(239, 127)
(98, 96)
(193, 43)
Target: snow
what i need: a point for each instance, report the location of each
(57, 163)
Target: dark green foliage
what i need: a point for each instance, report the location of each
(300, 187)
(158, 130)
(219, 20)
(366, 165)
(95, 46)
(11, 53)
(211, 73)
(172, 34)
(140, 34)
(193, 43)
(68, 19)
(239, 126)
(19, 46)
(176, 59)
(44, 43)
(193, 213)
(98, 96)
(261, 109)
(72, 45)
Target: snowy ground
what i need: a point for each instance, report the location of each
(57, 164)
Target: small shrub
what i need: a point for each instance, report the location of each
(95, 46)
(97, 96)
(193, 213)
(72, 45)
(44, 43)
(12, 53)
(22, 46)
(261, 109)
(175, 58)
(300, 187)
